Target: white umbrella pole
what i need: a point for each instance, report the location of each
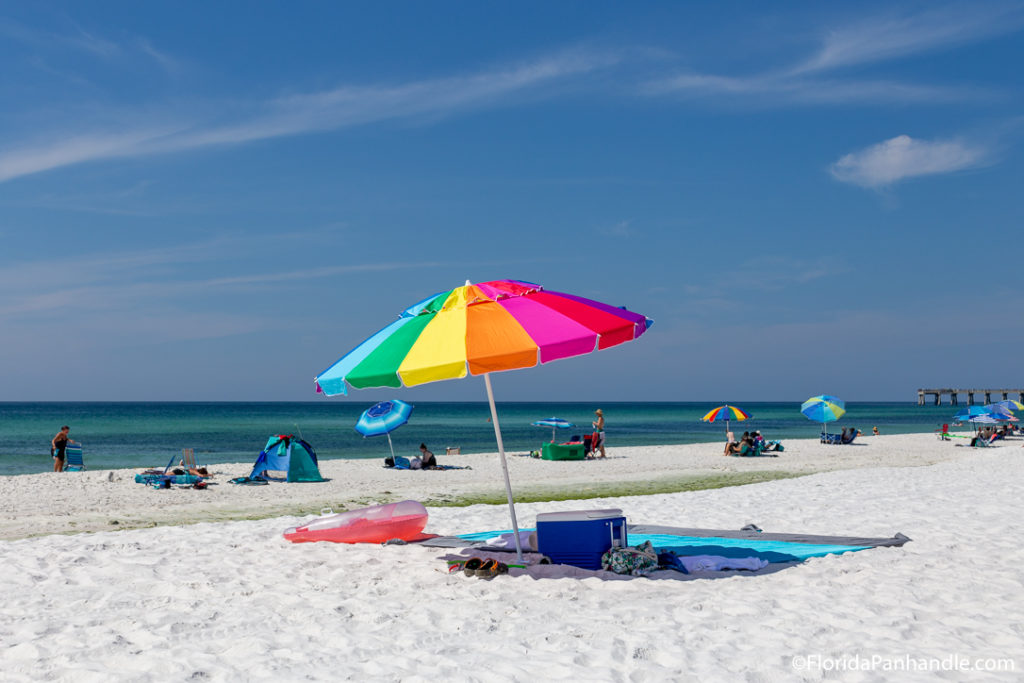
(392, 447)
(504, 466)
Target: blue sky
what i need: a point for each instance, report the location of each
(214, 201)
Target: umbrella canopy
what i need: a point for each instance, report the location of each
(1010, 405)
(383, 418)
(726, 412)
(823, 409)
(969, 412)
(479, 329)
(554, 423)
(998, 411)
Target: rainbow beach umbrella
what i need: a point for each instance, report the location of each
(478, 329)
(726, 412)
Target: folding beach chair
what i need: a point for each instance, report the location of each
(73, 458)
(188, 459)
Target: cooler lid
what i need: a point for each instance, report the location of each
(578, 515)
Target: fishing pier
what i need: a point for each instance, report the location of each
(937, 394)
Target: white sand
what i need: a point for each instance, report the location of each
(94, 500)
(234, 601)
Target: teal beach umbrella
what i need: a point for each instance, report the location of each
(823, 409)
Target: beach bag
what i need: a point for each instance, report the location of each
(415, 464)
(632, 560)
(389, 462)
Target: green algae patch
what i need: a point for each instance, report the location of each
(615, 489)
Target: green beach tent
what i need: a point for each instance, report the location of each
(286, 454)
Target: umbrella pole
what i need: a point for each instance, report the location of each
(391, 446)
(504, 466)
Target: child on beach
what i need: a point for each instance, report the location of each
(58, 444)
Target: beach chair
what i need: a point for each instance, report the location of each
(73, 458)
(850, 436)
(188, 462)
(943, 433)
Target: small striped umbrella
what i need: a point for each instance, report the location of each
(554, 423)
(823, 409)
(726, 412)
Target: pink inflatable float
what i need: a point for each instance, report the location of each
(404, 520)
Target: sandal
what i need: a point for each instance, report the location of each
(487, 570)
(472, 565)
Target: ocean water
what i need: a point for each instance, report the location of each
(150, 434)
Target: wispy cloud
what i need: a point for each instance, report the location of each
(889, 37)
(76, 38)
(813, 80)
(784, 88)
(620, 229)
(135, 280)
(904, 157)
(305, 113)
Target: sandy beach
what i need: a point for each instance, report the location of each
(100, 500)
(233, 601)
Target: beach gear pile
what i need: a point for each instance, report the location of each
(601, 540)
(193, 477)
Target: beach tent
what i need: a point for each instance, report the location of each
(285, 453)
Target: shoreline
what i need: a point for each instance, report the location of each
(47, 503)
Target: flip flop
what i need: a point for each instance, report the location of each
(488, 570)
(472, 565)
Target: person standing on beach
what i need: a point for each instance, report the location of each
(57, 445)
(599, 428)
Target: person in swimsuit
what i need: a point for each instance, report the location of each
(427, 460)
(57, 445)
(599, 428)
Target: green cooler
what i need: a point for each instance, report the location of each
(563, 451)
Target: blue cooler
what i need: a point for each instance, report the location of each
(580, 537)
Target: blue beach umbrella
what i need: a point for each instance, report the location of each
(999, 412)
(969, 412)
(823, 409)
(384, 418)
(554, 423)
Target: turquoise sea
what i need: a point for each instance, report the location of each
(149, 434)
